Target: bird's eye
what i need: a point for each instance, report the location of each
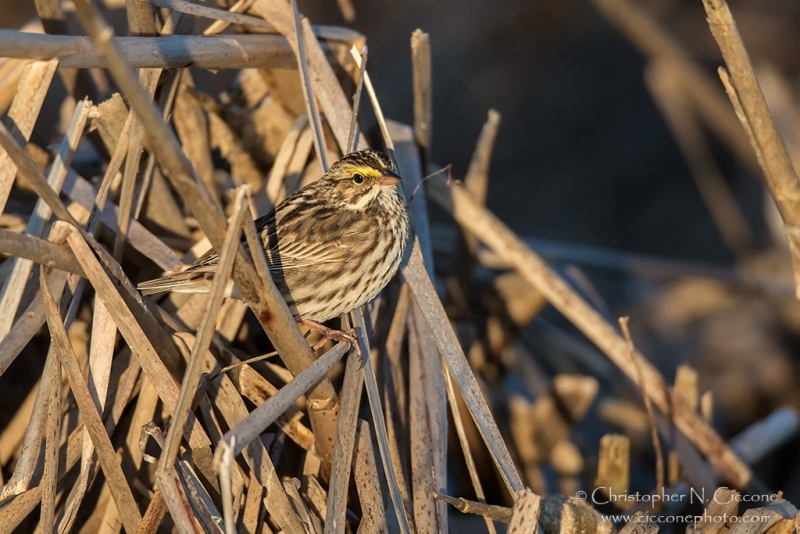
(358, 178)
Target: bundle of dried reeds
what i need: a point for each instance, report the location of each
(181, 421)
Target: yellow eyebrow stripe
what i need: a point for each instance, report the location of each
(367, 171)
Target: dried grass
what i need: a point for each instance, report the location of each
(186, 385)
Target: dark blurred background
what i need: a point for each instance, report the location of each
(583, 154)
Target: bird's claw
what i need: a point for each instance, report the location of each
(343, 336)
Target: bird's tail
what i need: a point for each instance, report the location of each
(189, 281)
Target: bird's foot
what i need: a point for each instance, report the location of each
(342, 336)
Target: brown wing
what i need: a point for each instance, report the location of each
(305, 240)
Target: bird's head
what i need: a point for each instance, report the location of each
(362, 177)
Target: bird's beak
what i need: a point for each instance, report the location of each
(389, 178)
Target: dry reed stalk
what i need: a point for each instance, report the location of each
(332, 100)
(191, 376)
(175, 51)
(373, 97)
(49, 478)
(149, 79)
(113, 122)
(15, 511)
(724, 504)
(395, 395)
(685, 386)
(525, 513)
(219, 25)
(32, 88)
(352, 388)
(410, 166)
(239, 437)
(176, 501)
(522, 430)
(141, 19)
(190, 123)
(141, 331)
(29, 451)
(434, 416)
(297, 166)
(428, 405)
(314, 493)
(15, 284)
(299, 42)
(85, 198)
(252, 515)
(760, 126)
(10, 74)
(257, 389)
(639, 524)
(425, 296)
(488, 511)
(560, 513)
(428, 440)
(103, 338)
(115, 478)
(465, 448)
(230, 16)
(494, 234)
(154, 514)
(230, 403)
(14, 432)
(352, 138)
(275, 189)
(423, 92)
(39, 251)
(373, 397)
(373, 517)
(613, 468)
(347, 10)
(648, 405)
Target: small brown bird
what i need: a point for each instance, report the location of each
(330, 247)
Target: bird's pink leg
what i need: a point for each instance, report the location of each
(342, 336)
